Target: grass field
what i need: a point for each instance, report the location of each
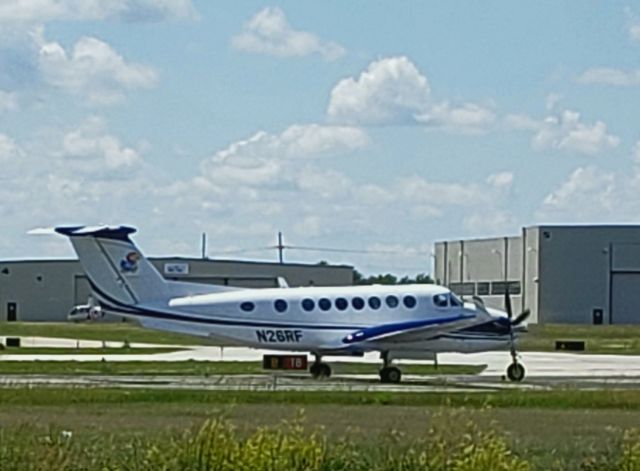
(613, 339)
(203, 368)
(87, 351)
(122, 332)
(548, 430)
(598, 339)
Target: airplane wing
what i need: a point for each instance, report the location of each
(409, 330)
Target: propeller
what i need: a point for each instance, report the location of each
(520, 318)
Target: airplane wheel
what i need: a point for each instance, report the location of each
(390, 374)
(320, 370)
(515, 372)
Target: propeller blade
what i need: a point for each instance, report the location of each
(521, 317)
(507, 301)
(479, 302)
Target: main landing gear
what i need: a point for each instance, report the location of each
(319, 370)
(389, 373)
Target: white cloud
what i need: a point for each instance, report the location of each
(390, 90)
(279, 179)
(633, 24)
(586, 195)
(593, 194)
(8, 150)
(261, 159)
(393, 91)
(8, 101)
(40, 11)
(269, 32)
(552, 100)
(93, 70)
(500, 180)
(521, 122)
(96, 150)
(611, 76)
(495, 221)
(565, 131)
(470, 118)
(62, 177)
(636, 153)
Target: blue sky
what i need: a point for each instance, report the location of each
(374, 126)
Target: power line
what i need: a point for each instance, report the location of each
(280, 247)
(361, 251)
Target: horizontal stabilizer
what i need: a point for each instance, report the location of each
(103, 232)
(42, 231)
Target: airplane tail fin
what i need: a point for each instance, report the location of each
(118, 272)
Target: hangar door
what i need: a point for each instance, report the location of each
(625, 284)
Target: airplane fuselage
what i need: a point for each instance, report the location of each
(315, 318)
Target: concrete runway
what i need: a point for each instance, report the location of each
(538, 364)
(545, 370)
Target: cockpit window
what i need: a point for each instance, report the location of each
(455, 301)
(441, 300)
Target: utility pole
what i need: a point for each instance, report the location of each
(280, 248)
(204, 246)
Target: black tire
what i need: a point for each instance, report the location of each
(515, 372)
(314, 369)
(320, 370)
(390, 374)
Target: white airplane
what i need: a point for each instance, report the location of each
(400, 322)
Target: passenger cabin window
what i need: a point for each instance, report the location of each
(280, 305)
(247, 306)
(374, 302)
(308, 304)
(324, 304)
(341, 304)
(357, 303)
(392, 301)
(409, 302)
(441, 300)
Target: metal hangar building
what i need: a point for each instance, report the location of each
(564, 273)
(46, 290)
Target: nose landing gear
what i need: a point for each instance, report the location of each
(515, 372)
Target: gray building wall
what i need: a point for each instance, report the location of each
(563, 274)
(481, 267)
(46, 290)
(587, 268)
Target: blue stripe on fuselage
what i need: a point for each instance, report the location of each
(117, 306)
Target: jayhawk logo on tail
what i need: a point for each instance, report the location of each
(129, 264)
